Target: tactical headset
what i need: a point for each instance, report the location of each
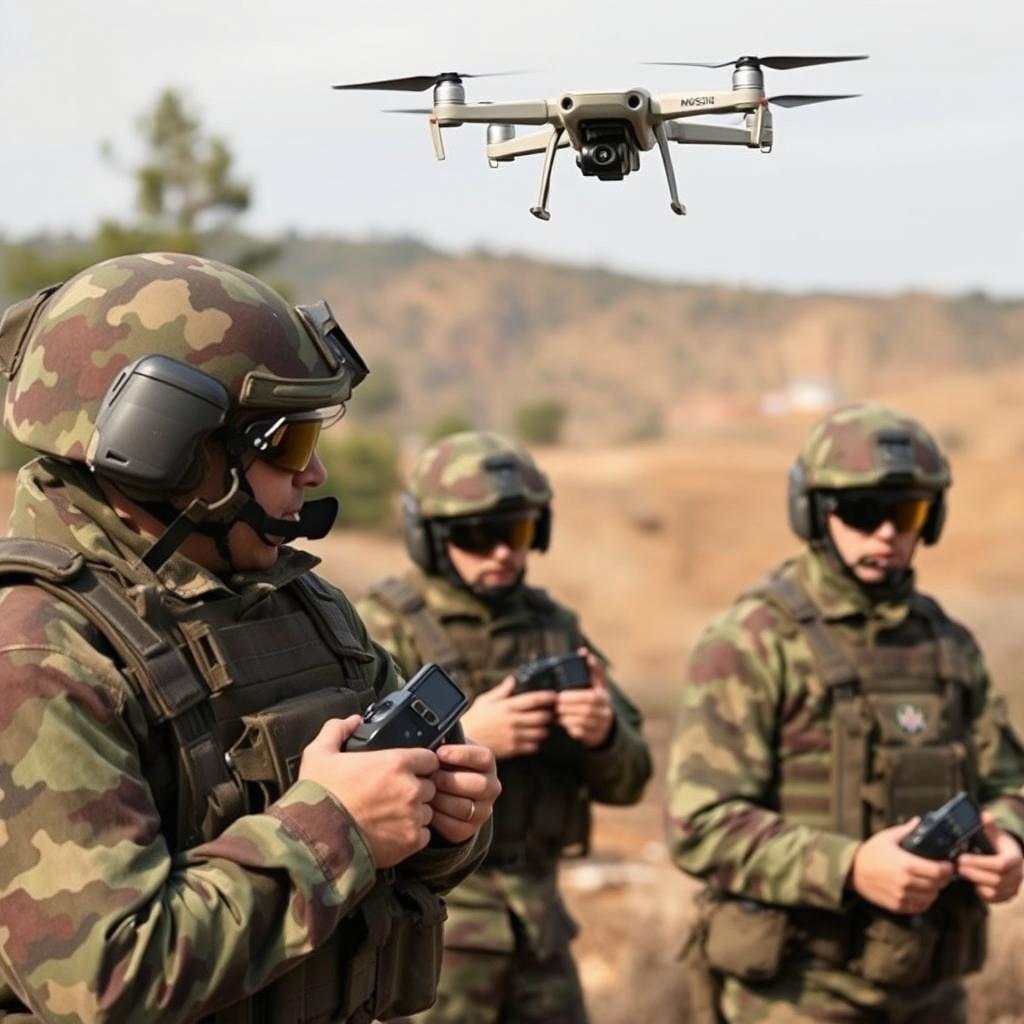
(149, 435)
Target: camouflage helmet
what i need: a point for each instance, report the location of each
(861, 446)
(471, 473)
(65, 348)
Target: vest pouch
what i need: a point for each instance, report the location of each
(964, 940)
(898, 950)
(359, 940)
(745, 939)
(913, 780)
(268, 753)
(409, 963)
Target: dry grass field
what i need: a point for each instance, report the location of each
(652, 540)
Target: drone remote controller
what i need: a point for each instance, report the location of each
(560, 672)
(424, 713)
(945, 833)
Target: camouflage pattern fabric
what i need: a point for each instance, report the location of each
(749, 705)
(478, 987)
(843, 450)
(99, 918)
(464, 474)
(201, 312)
(510, 925)
(797, 999)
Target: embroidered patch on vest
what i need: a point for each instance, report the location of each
(910, 718)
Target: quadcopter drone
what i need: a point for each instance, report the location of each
(609, 130)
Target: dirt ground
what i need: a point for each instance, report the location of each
(652, 540)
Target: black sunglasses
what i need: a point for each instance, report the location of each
(867, 512)
(480, 534)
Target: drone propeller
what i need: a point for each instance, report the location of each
(796, 100)
(408, 110)
(779, 63)
(420, 83)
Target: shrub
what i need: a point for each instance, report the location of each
(541, 422)
(448, 423)
(380, 391)
(362, 472)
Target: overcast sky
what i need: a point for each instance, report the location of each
(915, 185)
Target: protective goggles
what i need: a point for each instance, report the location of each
(481, 534)
(867, 512)
(288, 442)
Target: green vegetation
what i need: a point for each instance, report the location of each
(380, 392)
(447, 423)
(541, 422)
(362, 472)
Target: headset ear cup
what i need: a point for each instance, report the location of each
(798, 502)
(932, 529)
(542, 534)
(417, 536)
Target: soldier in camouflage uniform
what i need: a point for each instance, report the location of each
(475, 507)
(181, 835)
(822, 714)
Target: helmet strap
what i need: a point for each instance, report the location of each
(199, 516)
(238, 504)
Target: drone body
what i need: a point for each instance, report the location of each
(609, 130)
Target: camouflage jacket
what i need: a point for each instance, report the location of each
(748, 704)
(100, 918)
(615, 774)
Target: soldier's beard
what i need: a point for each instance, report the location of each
(490, 595)
(495, 596)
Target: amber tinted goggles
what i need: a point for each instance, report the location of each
(867, 512)
(480, 534)
(288, 442)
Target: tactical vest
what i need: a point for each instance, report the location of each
(543, 812)
(899, 746)
(233, 696)
(900, 740)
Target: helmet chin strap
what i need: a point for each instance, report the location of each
(238, 504)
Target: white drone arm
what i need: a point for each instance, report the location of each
(528, 145)
(709, 134)
(520, 112)
(690, 104)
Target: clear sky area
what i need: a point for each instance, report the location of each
(916, 185)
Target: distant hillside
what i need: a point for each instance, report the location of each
(631, 358)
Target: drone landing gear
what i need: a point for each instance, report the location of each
(540, 211)
(666, 158)
(435, 135)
